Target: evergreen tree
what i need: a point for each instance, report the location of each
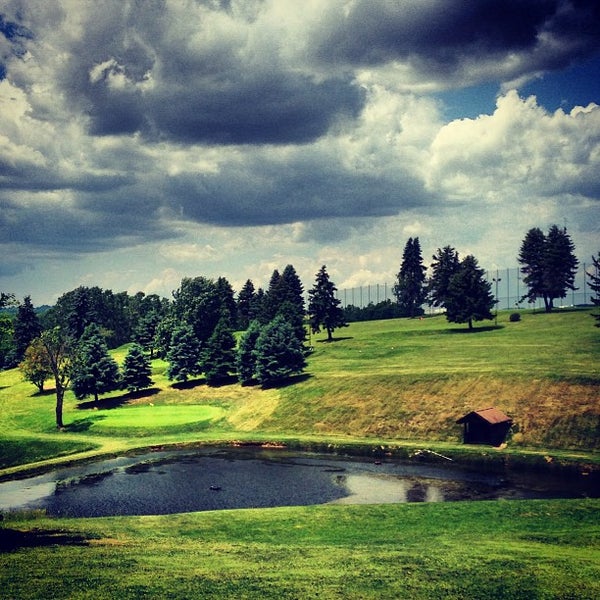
(549, 265)
(244, 304)
(26, 327)
(137, 370)
(273, 296)
(218, 356)
(594, 283)
(444, 267)
(94, 370)
(469, 294)
(245, 357)
(410, 285)
(228, 304)
(278, 352)
(258, 307)
(145, 332)
(35, 366)
(184, 354)
(324, 309)
(163, 335)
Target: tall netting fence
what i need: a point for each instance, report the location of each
(507, 286)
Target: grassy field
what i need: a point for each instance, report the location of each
(399, 382)
(518, 549)
(395, 385)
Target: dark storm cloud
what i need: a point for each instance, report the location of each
(297, 191)
(440, 37)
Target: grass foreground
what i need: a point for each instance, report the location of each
(389, 386)
(513, 549)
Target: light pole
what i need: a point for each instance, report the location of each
(497, 280)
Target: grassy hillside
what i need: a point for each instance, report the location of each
(385, 381)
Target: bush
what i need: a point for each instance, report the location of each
(514, 317)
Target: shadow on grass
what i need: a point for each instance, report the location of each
(82, 425)
(188, 385)
(335, 339)
(13, 539)
(474, 330)
(223, 381)
(286, 382)
(116, 401)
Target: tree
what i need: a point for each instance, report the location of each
(145, 332)
(410, 286)
(244, 304)
(184, 354)
(198, 303)
(218, 356)
(444, 267)
(245, 360)
(137, 370)
(35, 366)
(594, 283)
(469, 294)
(94, 370)
(26, 327)
(59, 349)
(278, 352)
(549, 265)
(324, 309)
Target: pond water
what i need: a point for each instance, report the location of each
(218, 478)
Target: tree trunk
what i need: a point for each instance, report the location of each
(329, 335)
(60, 394)
(470, 323)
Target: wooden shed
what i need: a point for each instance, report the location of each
(488, 426)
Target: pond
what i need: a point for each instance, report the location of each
(224, 478)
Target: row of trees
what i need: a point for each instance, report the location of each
(194, 333)
(547, 261)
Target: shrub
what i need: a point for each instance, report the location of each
(514, 317)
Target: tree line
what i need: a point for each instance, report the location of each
(257, 336)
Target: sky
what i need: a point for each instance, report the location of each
(146, 141)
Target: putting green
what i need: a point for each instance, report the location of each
(156, 416)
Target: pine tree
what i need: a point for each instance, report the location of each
(469, 294)
(245, 357)
(184, 354)
(94, 371)
(594, 283)
(444, 267)
(26, 327)
(218, 356)
(324, 309)
(410, 286)
(549, 265)
(137, 370)
(244, 304)
(145, 332)
(278, 352)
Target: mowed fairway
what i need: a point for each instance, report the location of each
(391, 384)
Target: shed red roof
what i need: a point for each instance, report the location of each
(491, 415)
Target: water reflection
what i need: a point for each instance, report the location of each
(216, 479)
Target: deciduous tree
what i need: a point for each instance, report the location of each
(59, 349)
(35, 366)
